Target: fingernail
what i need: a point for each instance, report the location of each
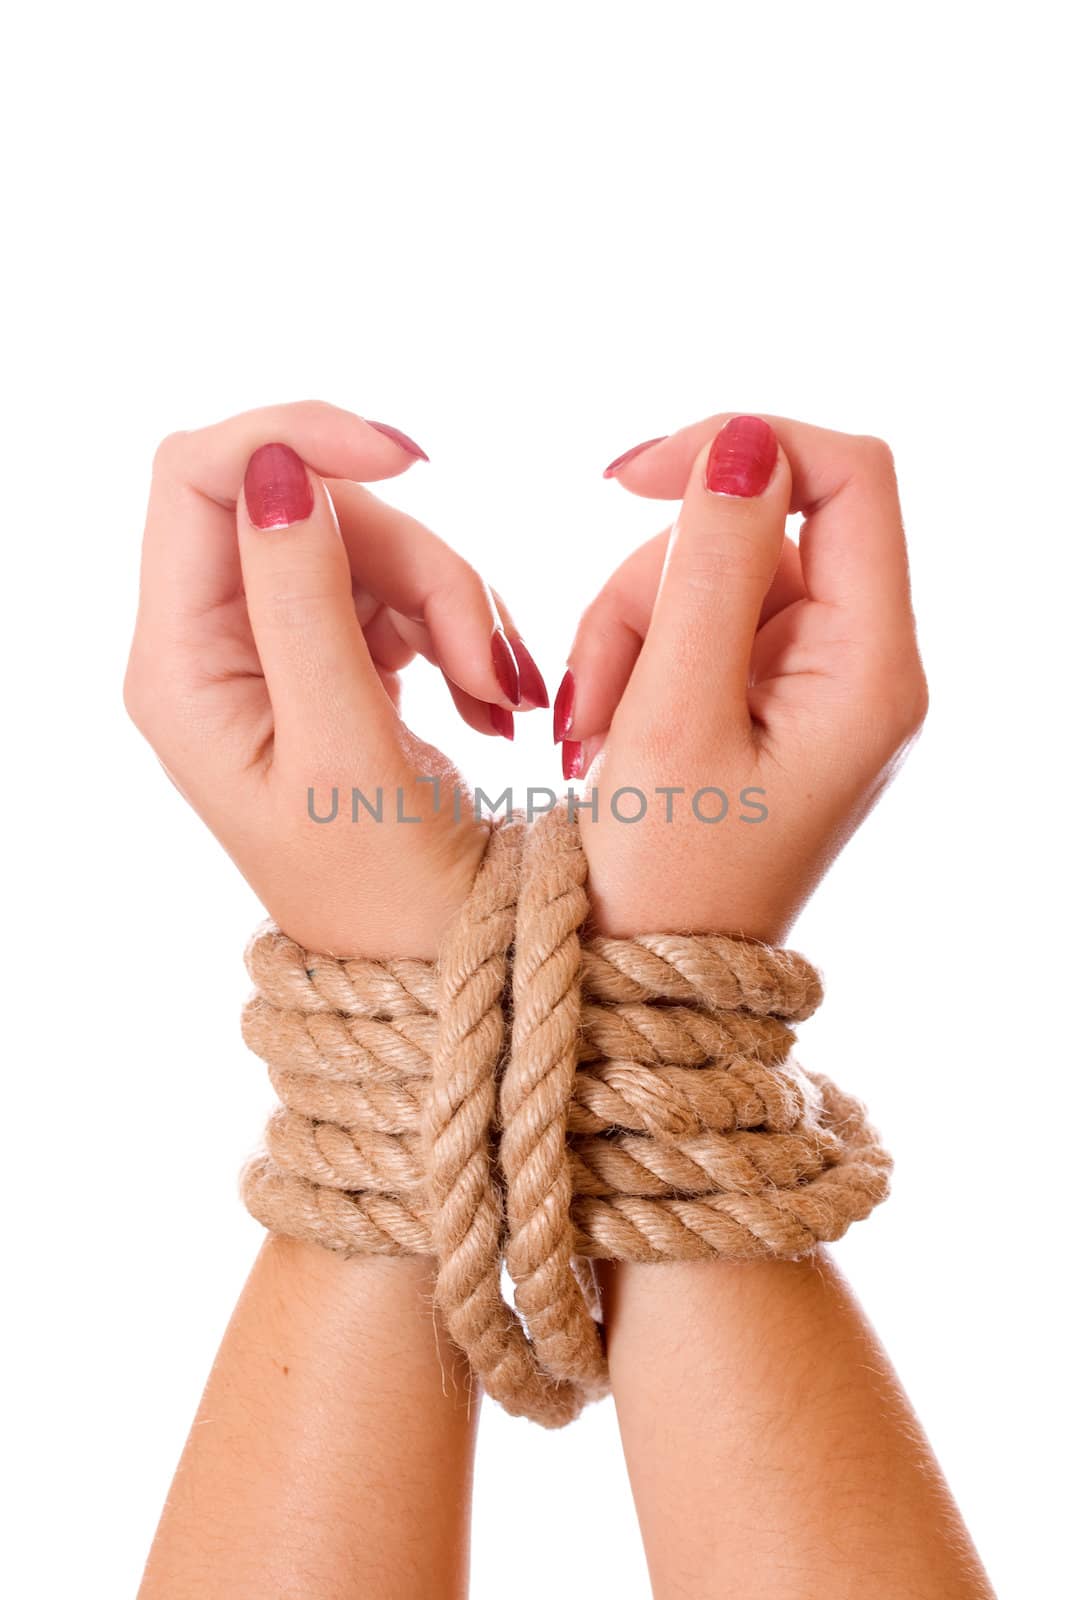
(505, 666)
(742, 457)
(402, 439)
(503, 722)
(563, 710)
(278, 490)
(620, 461)
(572, 758)
(531, 684)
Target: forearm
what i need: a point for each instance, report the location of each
(332, 1452)
(770, 1448)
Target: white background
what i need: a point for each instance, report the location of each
(530, 237)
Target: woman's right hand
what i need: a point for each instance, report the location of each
(721, 656)
(279, 601)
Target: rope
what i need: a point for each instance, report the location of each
(646, 1107)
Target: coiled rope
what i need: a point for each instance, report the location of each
(642, 1106)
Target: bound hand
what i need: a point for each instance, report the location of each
(776, 685)
(279, 602)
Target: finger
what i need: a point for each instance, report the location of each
(402, 639)
(787, 585)
(577, 756)
(415, 573)
(617, 468)
(613, 629)
(190, 562)
(322, 682)
(330, 441)
(607, 644)
(393, 640)
(389, 649)
(722, 557)
(532, 686)
(483, 718)
(852, 545)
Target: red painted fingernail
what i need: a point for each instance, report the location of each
(505, 666)
(742, 458)
(620, 461)
(531, 684)
(503, 722)
(402, 439)
(278, 490)
(572, 758)
(563, 710)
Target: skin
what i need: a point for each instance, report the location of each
(264, 661)
(769, 1446)
(723, 653)
(334, 1423)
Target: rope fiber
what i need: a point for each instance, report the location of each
(540, 1099)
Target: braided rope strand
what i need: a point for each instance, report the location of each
(535, 1092)
(648, 1109)
(459, 1113)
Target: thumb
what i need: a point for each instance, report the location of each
(721, 559)
(322, 683)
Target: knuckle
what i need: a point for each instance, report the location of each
(911, 711)
(599, 620)
(455, 590)
(152, 699)
(731, 563)
(876, 455)
(463, 584)
(898, 692)
(292, 610)
(284, 411)
(708, 567)
(920, 702)
(169, 452)
(137, 697)
(311, 410)
(734, 548)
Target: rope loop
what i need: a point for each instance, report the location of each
(541, 1098)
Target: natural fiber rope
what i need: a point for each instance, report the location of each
(535, 1091)
(648, 1110)
(459, 1120)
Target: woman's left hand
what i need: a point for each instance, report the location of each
(783, 680)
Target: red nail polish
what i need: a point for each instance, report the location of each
(505, 666)
(572, 758)
(503, 722)
(531, 684)
(620, 461)
(742, 457)
(402, 439)
(278, 490)
(563, 710)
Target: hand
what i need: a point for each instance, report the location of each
(277, 609)
(722, 654)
